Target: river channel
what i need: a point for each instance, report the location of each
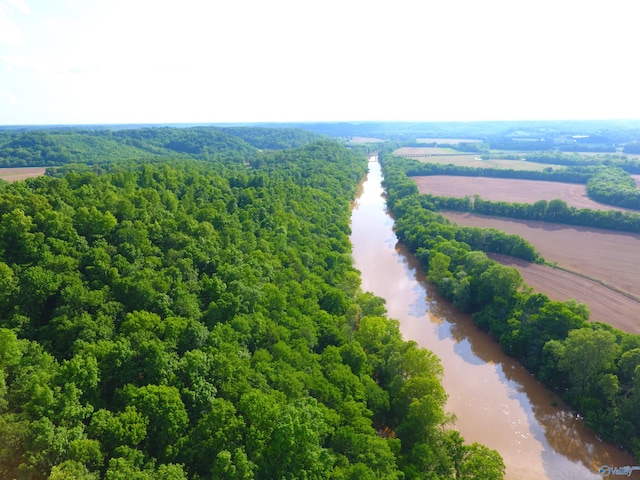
(496, 402)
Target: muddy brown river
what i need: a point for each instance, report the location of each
(495, 400)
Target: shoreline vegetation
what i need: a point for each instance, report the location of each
(590, 364)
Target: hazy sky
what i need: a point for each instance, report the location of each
(155, 61)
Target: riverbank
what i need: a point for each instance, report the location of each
(495, 400)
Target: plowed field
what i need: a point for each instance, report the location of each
(508, 190)
(606, 266)
(20, 173)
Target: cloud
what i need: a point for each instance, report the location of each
(18, 5)
(11, 99)
(10, 32)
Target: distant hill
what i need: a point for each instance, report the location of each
(59, 146)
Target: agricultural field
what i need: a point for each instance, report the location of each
(426, 151)
(361, 140)
(20, 173)
(602, 266)
(448, 156)
(508, 190)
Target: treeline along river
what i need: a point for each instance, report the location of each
(496, 402)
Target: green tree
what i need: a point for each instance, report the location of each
(498, 283)
(166, 414)
(295, 449)
(439, 268)
(588, 353)
(478, 461)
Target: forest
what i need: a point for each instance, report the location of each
(182, 304)
(54, 147)
(593, 366)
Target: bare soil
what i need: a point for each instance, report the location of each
(606, 305)
(20, 173)
(509, 190)
(606, 266)
(448, 156)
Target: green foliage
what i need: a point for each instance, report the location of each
(49, 147)
(200, 319)
(614, 186)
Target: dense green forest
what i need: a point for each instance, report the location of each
(594, 367)
(49, 147)
(614, 186)
(197, 315)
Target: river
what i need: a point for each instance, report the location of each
(496, 402)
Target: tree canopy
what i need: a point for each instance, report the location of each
(197, 318)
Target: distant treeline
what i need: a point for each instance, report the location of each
(51, 147)
(534, 145)
(631, 165)
(545, 211)
(595, 367)
(614, 186)
(566, 175)
(585, 134)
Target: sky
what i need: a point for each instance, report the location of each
(211, 61)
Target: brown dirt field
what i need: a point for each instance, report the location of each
(509, 190)
(446, 156)
(606, 305)
(611, 258)
(20, 173)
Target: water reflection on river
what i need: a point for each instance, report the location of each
(496, 401)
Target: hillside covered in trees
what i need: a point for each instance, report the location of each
(190, 310)
(49, 147)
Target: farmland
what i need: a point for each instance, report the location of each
(449, 156)
(599, 258)
(450, 141)
(20, 173)
(596, 267)
(511, 190)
